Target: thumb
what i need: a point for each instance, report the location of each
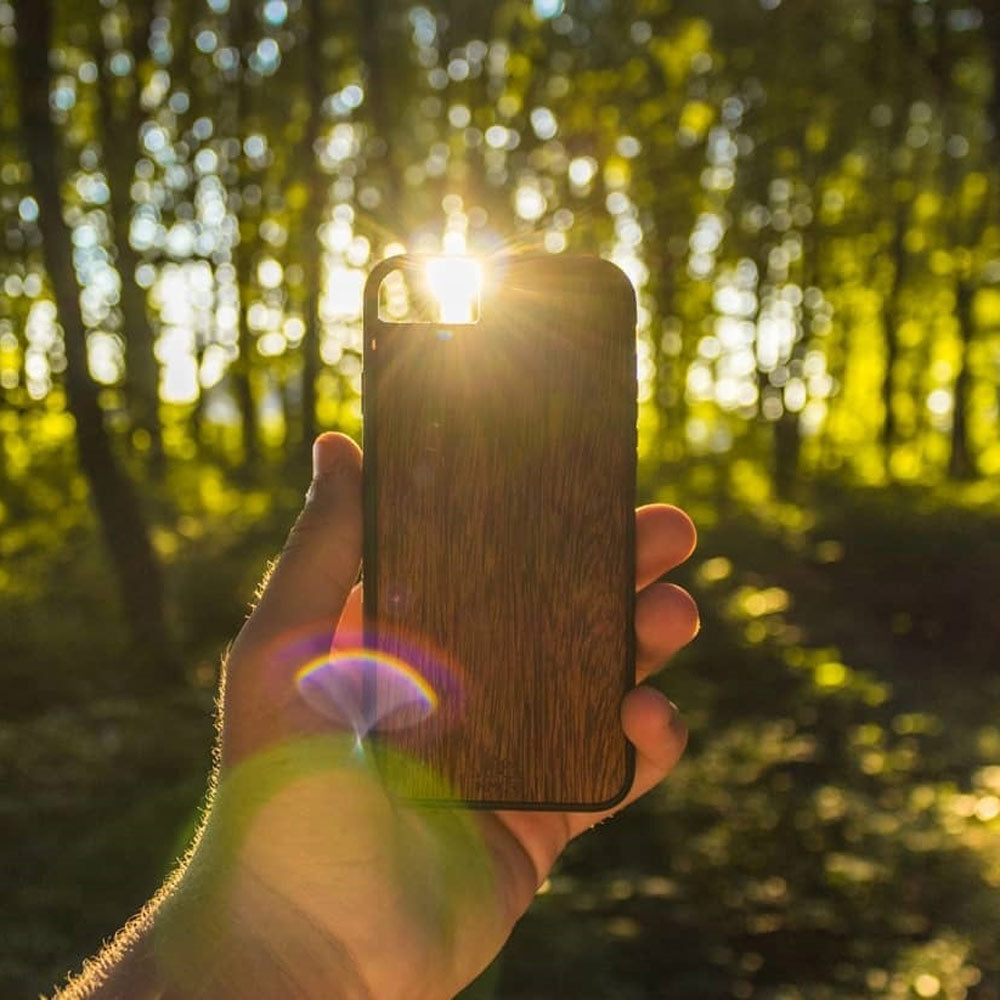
(320, 561)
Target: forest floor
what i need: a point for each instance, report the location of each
(834, 830)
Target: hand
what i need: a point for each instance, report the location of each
(308, 878)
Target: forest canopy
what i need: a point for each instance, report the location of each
(817, 262)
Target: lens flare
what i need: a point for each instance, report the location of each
(455, 283)
(364, 684)
(364, 689)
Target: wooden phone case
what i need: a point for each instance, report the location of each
(499, 549)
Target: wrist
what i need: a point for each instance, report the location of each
(218, 932)
(225, 933)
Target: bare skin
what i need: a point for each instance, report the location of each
(308, 879)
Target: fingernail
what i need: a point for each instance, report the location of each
(676, 721)
(317, 457)
(327, 454)
(334, 469)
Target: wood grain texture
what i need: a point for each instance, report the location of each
(500, 472)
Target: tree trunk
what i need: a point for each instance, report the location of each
(890, 331)
(119, 145)
(788, 427)
(242, 369)
(312, 249)
(373, 29)
(961, 463)
(112, 494)
(896, 49)
(787, 447)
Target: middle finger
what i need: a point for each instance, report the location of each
(666, 619)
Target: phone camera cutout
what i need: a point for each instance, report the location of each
(432, 290)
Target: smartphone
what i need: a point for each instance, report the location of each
(499, 533)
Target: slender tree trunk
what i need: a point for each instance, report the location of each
(671, 406)
(112, 494)
(961, 462)
(965, 232)
(312, 256)
(991, 26)
(242, 369)
(763, 434)
(787, 445)
(890, 331)
(888, 40)
(897, 48)
(788, 427)
(119, 143)
(377, 99)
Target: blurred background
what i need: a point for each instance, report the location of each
(806, 197)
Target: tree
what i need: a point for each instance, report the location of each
(120, 115)
(115, 501)
(316, 204)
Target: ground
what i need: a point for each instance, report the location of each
(834, 830)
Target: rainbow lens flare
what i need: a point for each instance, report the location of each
(365, 689)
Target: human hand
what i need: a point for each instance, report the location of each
(309, 879)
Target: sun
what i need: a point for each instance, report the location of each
(455, 282)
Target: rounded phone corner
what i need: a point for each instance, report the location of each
(383, 267)
(616, 276)
(560, 805)
(619, 796)
(376, 276)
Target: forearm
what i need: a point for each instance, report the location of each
(191, 942)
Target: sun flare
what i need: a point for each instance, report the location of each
(455, 283)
